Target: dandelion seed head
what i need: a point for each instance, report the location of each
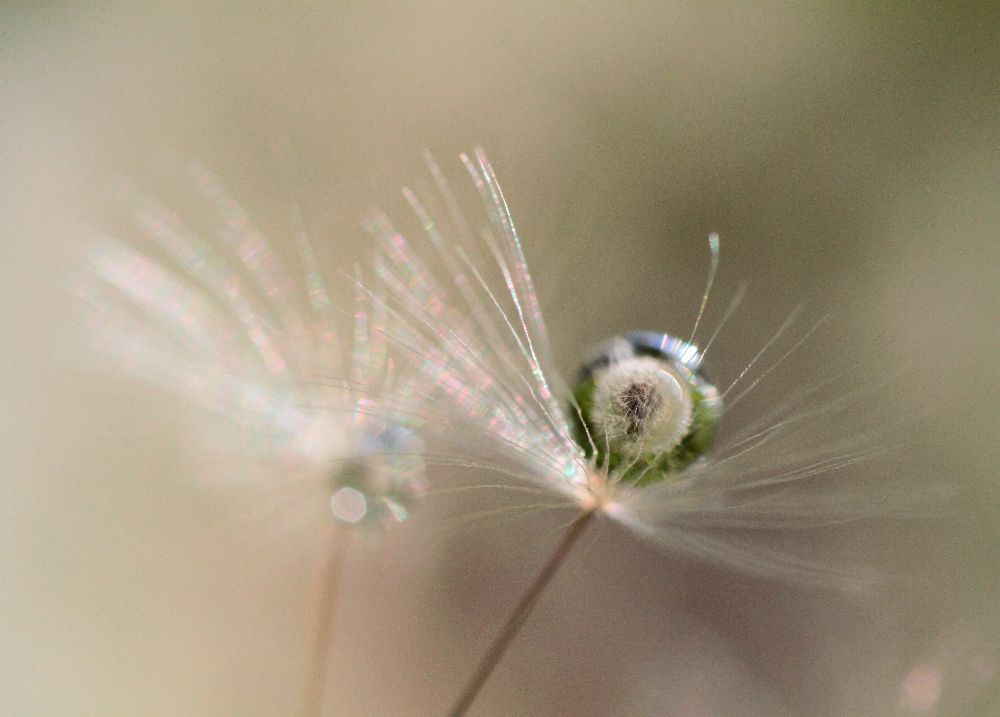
(212, 316)
(635, 437)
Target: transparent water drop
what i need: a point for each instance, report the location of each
(646, 408)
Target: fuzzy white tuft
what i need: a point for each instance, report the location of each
(640, 404)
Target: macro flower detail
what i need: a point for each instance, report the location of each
(450, 364)
(641, 439)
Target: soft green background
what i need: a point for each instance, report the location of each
(849, 155)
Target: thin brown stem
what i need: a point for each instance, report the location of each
(520, 614)
(315, 689)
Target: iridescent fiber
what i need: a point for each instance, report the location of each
(449, 349)
(468, 315)
(217, 322)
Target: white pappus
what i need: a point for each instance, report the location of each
(634, 440)
(220, 323)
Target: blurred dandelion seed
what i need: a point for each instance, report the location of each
(631, 441)
(220, 323)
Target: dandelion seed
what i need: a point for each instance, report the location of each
(635, 441)
(217, 323)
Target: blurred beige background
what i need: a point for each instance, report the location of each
(849, 155)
